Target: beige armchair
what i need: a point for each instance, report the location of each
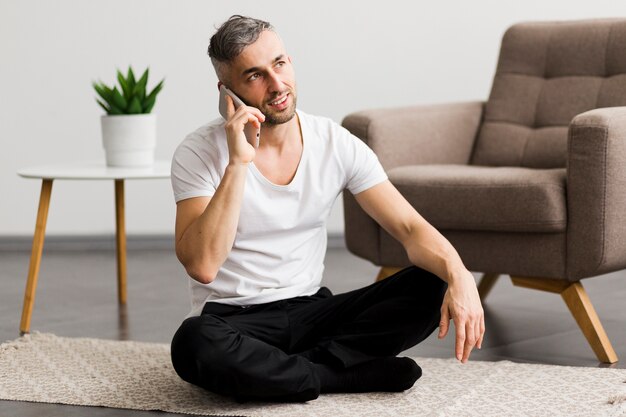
(531, 183)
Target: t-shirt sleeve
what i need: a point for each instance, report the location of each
(192, 175)
(363, 169)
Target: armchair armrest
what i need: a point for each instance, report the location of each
(596, 193)
(432, 134)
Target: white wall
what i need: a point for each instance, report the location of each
(348, 55)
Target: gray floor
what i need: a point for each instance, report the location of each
(77, 297)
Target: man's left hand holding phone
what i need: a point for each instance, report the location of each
(243, 125)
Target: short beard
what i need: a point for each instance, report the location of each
(282, 117)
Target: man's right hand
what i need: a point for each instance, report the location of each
(239, 149)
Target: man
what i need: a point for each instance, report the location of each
(250, 232)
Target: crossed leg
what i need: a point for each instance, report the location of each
(286, 350)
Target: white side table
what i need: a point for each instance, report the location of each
(81, 171)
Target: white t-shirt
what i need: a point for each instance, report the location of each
(280, 243)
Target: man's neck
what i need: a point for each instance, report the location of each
(277, 138)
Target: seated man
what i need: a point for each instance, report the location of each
(251, 234)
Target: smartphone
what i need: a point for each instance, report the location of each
(252, 133)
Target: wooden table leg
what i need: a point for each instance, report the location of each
(35, 256)
(120, 232)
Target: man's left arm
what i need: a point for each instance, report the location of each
(428, 249)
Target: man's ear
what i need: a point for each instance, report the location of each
(289, 58)
(219, 84)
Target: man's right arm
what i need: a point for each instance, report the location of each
(206, 226)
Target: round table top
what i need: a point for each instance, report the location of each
(95, 170)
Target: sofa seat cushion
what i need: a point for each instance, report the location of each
(501, 199)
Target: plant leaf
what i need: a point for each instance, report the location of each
(119, 101)
(108, 92)
(130, 79)
(106, 109)
(102, 92)
(134, 107)
(148, 104)
(115, 110)
(140, 87)
(155, 90)
(139, 92)
(124, 85)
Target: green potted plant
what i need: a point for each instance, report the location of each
(128, 128)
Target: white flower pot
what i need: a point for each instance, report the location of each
(129, 140)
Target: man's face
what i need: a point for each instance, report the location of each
(263, 77)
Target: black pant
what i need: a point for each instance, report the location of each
(267, 351)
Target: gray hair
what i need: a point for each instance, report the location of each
(230, 40)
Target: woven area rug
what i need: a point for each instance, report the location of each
(46, 368)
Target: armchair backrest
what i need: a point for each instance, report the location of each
(547, 73)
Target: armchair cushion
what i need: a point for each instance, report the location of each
(500, 199)
(547, 74)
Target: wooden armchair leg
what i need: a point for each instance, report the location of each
(486, 284)
(386, 272)
(581, 308)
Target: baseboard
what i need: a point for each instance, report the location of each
(107, 242)
(87, 242)
(336, 241)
